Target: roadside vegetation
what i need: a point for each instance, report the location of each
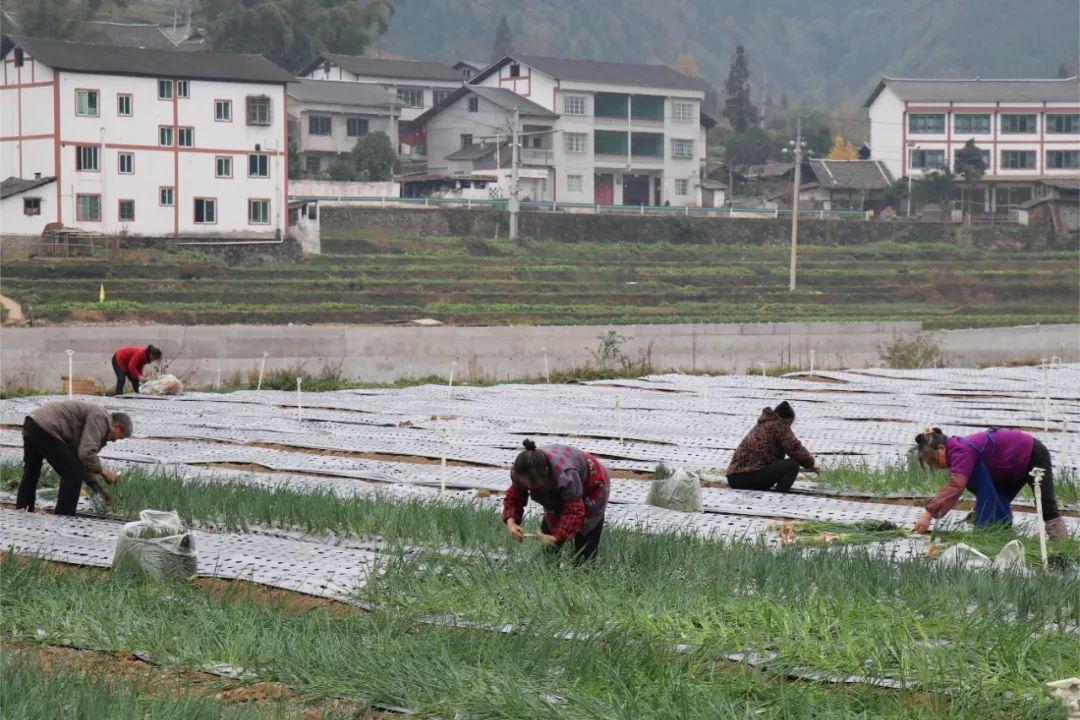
(369, 277)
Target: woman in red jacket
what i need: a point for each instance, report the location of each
(128, 363)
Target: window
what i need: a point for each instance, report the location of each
(573, 183)
(682, 111)
(313, 164)
(86, 103)
(682, 187)
(165, 89)
(88, 208)
(185, 137)
(985, 158)
(223, 166)
(258, 110)
(318, 125)
(126, 211)
(259, 165)
(1025, 124)
(31, 206)
(440, 96)
(165, 196)
(412, 97)
(223, 110)
(258, 212)
(574, 105)
(123, 105)
(474, 104)
(926, 124)
(126, 163)
(928, 159)
(574, 142)
(1062, 159)
(1018, 159)
(182, 89)
(355, 127)
(86, 158)
(977, 124)
(682, 149)
(515, 70)
(466, 140)
(205, 211)
(1059, 124)
(165, 136)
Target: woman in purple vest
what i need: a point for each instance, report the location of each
(995, 465)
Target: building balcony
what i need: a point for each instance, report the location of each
(647, 122)
(607, 121)
(647, 161)
(611, 159)
(537, 156)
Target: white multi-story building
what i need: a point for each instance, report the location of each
(143, 142)
(1028, 130)
(607, 133)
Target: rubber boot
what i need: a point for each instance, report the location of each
(1056, 529)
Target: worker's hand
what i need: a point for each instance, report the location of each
(105, 496)
(110, 476)
(816, 468)
(922, 525)
(515, 530)
(547, 539)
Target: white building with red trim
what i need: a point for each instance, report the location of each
(144, 142)
(1028, 130)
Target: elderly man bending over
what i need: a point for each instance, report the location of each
(69, 434)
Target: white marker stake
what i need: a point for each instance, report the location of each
(262, 369)
(618, 416)
(71, 380)
(762, 369)
(453, 365)
(299, 407)
(1046, 396)
(547, 371)
(217, 383)
(442, 468)
(1037, 478)
(811, 363)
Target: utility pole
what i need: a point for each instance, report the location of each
(515, 155)
(796, 153)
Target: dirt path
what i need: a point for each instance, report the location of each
(14, 310)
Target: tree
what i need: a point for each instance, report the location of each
(738, 108)
(342, 169)
(969, 164)
(816, 133)
(843, 150)
(61, 19)
(751, 147)
(687, 64)
(294, 161)
(935, 187)
(504, 40)
(291, 32)
(374, 157)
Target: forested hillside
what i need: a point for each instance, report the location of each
(823, 53)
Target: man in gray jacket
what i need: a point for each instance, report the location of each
(69, 434)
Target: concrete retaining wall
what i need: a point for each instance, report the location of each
(35, 357)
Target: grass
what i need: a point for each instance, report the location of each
(370, 277)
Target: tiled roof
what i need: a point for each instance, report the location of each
(341, 92)
(14, 185)
(851, 174)
(502, 97)
(612, 73)
(385, 68)
(979, 90)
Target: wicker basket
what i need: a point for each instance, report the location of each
(81, 385)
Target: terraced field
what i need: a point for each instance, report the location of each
(371, 277)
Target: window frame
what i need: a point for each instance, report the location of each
(466, 140)
(403, 91)
(570, 103)
(96, 94)
(218, 159)
(917, 123)
(688, 155)
(1004, 165)
(251, 204)
(265, 156)
(80, 165)
(78, 207)
(684, 184)
(925, 166)
(349, 121)
(162, 129)
(195, 210)
(307, 164)
(1033, 117)
(225, 103)
(26, 204)
(130, 103)
(187, 89)
(252, 102)
(319, 119)
(439, 96)
(120, 156)
(1056, 115)
(570, 142)
(572, 180)
(473, 104)
(163, 84)
(679, 117)
(171, 189)
(119, 210)
(971, 129)
(1064, 165)
(180, 134)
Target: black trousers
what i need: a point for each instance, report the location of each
(585, 544)
(1040, 458)
(39, 445)
(121, 377)
(782, 474)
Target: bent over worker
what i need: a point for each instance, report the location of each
(994, 465)
(128, 363)
(68, 434)
(770, 455)
(570, 484)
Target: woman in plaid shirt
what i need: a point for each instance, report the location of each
(571, 485)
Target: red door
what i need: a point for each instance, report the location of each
(605, 189)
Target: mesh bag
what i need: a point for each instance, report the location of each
(156, 546)
(681, 490)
